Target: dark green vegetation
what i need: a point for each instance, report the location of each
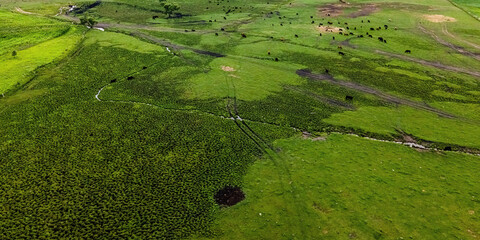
(130, 129)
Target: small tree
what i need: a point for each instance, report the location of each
(169, 7)
(88, 21)
(14, 53)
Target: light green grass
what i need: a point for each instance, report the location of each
(468, 110)
(250, 80)
(425, 125)
(111, 39)
(17, 70)
(348, 187)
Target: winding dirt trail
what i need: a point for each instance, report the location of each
(446, 32)
(22, 11)
(459, 49)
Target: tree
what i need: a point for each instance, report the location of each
(14, 53)
(88, 21)
(169, 7)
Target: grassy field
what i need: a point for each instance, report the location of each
(347, 187)
(130, 129)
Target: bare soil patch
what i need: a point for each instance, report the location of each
(228, 69)
(439, 18)
(329, 29)
(332, 10)
(338, 9)
(229, 196)
(365, 10)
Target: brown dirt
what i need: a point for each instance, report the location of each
(335, 10)
(439, 18)
(228, 69)
(365, 10)
(328, 29)
(229, 196)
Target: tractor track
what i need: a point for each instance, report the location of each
(365, 89)
(458, 49)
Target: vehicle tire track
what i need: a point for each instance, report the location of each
(432, 64)
(459, 49)
(446, 32)
(361, 88)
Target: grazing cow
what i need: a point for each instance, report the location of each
(311, 16)
(155, 17)
(320, 24)
(144, 68)
(276, 59)
(222, 29)
(296, 35)
(355, 28)
(373, 29)
(362, 21)
(244, 35)
(328, 14)
(340, 47)
(193, 30)
(348, 28)
(396, 28)
(380, 39)
(370, 36)
(368, 20)
(130, 78)
(448, 148)
(386, 27)
(113, 80)
(281, 24)
(320, 34)
(186, 30)
(333, 38)
(330, 23)
(341, 53)
(385, 41)
(326, 71)
(224, 18)
(216, 34)
(408, 51)
(268, 53)
(351, 34)
(313, 22)
(210, 20)
(349, 98)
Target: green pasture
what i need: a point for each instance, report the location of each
(126, 132)
(352, 188)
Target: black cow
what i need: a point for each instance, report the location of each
(408, 51)
(349, 98)
(341, 53)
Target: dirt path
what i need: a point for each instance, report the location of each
(446, 32)
(23, 12)
(450, 45)
(432, 64)
(387, 97)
